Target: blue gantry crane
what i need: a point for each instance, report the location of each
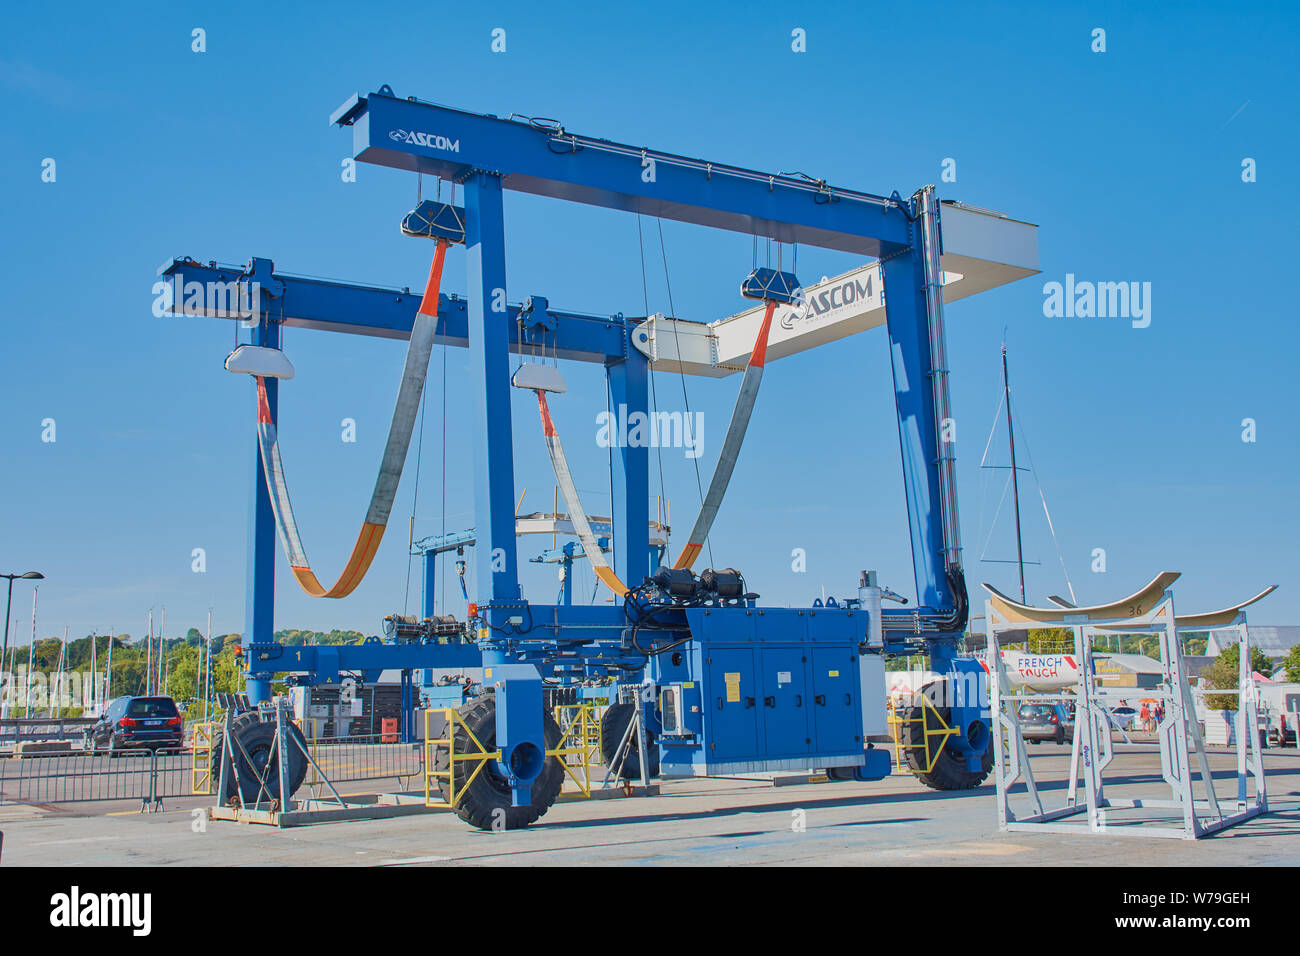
(730, 685)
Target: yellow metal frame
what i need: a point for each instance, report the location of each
(478, 757)
(201, 781)
(895, 730)
(579, 737)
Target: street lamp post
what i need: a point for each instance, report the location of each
(29, 576)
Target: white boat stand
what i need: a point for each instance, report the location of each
(1149, 611)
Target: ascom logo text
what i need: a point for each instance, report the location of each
(430, 140)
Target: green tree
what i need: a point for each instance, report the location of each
(1223, 674)
(1050, 640)
(227, 672)
(1293, 664)
(183, 674)
(296, 636)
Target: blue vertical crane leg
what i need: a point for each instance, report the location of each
(409, 732)
(566, 587)
(912, 355)
(489, 346)
(519, 731)
(629, 398)
(430, 579)
(903, 276)
(259, 608)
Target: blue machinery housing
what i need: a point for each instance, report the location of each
(737, 687)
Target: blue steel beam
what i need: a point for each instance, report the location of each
(546, 160)
(326, 661)
(383, 312)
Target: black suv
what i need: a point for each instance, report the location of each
(136, 723)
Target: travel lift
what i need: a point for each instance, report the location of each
(732, 686)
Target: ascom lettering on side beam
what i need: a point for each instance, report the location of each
(429, 140)
(856, 293)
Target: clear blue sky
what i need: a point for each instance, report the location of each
(1129, 160)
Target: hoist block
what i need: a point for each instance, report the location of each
(258, 360)
(772, 286)
(435, 220)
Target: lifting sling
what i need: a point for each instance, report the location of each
(772, 287)
(390, 469)
(766, 284)
(564, 479)
(730, 445)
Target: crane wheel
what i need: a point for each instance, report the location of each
(485, 803)
(949, 767)
(613, 725)
(256, 738)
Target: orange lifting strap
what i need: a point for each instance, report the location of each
(405, 413)
(730, 445)
(577, 515)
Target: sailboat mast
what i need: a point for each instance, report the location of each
(1015, 476)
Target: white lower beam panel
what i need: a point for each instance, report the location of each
(981, 250)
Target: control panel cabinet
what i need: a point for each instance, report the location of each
(766, 689)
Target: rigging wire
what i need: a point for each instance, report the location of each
(654, 395)
(1050, 526)
(993, 523)
(699, 484)
(997, 417)
(415, 497)
(442, 571)
(1024, 442)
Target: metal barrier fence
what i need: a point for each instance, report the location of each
(18, 729)
(364, 757)
(150, 777)
(147, 776)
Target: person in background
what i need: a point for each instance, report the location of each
(1145, 716)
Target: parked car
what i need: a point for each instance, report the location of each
(1277, 738)
(137, 723)
(1123, 718)
(1039, 722)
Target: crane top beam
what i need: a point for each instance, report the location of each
(212, 290)
(538, 156)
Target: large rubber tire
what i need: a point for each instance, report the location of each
(613, 724)
(256, 738)
(485, 803)
(949, 770)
